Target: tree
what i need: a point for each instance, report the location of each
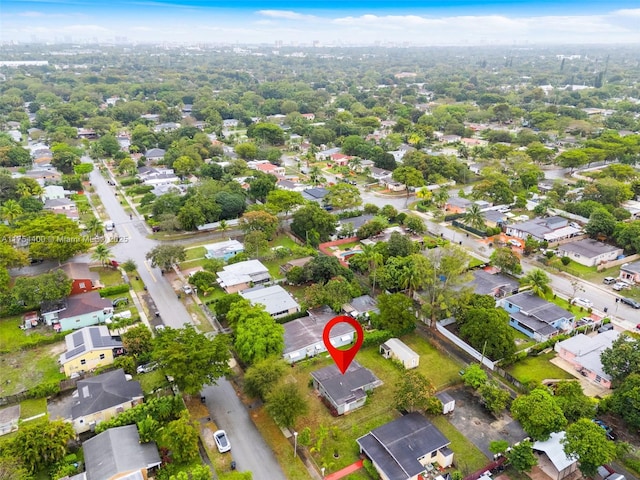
(109, 144)
(65, 160)
(40, 445)
(11, 211)
(247, 150)
(191, 358)
(400, 245)
(521, 457)
(488, 331)
(63, 237)
(409, 177)
(283, 201)
(285, 404)
(498, 446)
(588, 442)
(83, 169)
(538, 413)
(312, 218)
(257, 334)
(495, 398)
(415, 224)
(343, 196)
(538, 281)
(265, 132)
(323, 268)
(47, 287)
(625, 400)
(473, 217)
(622, 358)
(572, 159)
(138, 341)
(474, 376)
(506, 260)
(165, 256)
(11, 468)
(260, 221)
(261, 378)
(102, 254)
(397, 314)
(255, 243)
(572, 401)
(129, 265)
(181, 437)
(601, 222)
(414, 392)
(261, 185)
(185, 166)
(95, 227)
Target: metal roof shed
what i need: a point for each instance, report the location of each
(396, 349)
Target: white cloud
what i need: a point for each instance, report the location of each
(286, 15)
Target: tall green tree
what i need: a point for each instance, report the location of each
(473, 217)
(343, 196)
(165, 256)
(506, 260)
(138, 341)
(257, 334)
(625, 400)
(313, 218)
(601, 222)
(261, 221)
(46, 287)
(409, 177)
(538, 413)
(263, 376)
(285, 403)
(397, 314)
(521, 457)
(587, 441)
(622, 358)
(573, 402)
(181, 437)
(102, 254)
(191, 358)
(538, 281)
(415, 392)
(61, 237)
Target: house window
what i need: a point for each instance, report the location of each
(598, 378)
(81, 285)
(83, 362)
(510, 305)
(434, 453)
(102, 356)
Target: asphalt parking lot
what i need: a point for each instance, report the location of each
(479, 426)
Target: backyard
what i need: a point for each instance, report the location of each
(537, 369)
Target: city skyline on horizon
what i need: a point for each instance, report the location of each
(457, 22)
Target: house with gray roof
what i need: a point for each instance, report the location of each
(325, 155)
(118, 453)
(242, 275)
(89, 348)
(155, 154)
(589, 252)
(495, 284)
(303, 336)
(316, 194)
(102, 397)
(344, 393)
(457, 205)
(584, 352)
(275, 299)
(77, 311)
(361, 306)
(536, 317)
(406, 448)
(551, 229)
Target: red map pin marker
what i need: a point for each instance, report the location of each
(343, 358)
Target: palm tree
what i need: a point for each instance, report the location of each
(315, 175)
(538, 280)
(473, 217)
(374, 259)
(355, 164)
(95, 227)
(11, 210)
(23, 190)
(102, 253)
(223, 227)
(441, 196)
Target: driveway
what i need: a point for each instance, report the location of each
(249, 449)
(476, 424)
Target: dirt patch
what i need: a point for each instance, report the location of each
(58, 348)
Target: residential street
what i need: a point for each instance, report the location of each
(247, 446)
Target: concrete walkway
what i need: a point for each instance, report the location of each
(345, 471)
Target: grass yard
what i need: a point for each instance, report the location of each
(522, 341)
(192, 264)
(195, 253)
(467, 456)
(137, 285)
(25, 369)
(152, 381)
(108, 276)
(32, 407)
(199, 318)
(438, 367)
(537, 369)
(13, 338)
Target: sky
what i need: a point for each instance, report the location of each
(348, 22)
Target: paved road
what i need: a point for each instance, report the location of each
(247, 446)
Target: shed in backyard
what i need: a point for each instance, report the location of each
(396, 349)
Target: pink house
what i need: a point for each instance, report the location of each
(583, 353)
(270, 168)
(340, 159)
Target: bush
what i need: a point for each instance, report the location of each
(114, 290)
(293, 316)
(44, 389)
(565, 261)
(127, 182)
(370, 469)
(536, 349)
(376, 337)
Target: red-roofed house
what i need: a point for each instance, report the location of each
(309, 116)
(270, 168)
(340, 159)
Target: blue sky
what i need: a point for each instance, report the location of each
(349, 22)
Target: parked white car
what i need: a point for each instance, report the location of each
(583, 302)
(620, 286)
(515, 243)
(222, 441)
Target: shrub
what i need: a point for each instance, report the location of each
(376, 337)
(565, 261)
(370, 469)
(44, 389)
(127, 182)
(140, 189)
(114, 290)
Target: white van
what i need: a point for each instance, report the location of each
(109, 225)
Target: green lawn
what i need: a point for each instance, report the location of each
(537, 369)
(108, 275)
(522, 341)
(438, 367)
(195, 253)
(468, 457)
(32, 407)
(25, 369)
(152, 381)
(202, 322)
(13, 338)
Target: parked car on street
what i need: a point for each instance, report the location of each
(582, 302)
(620, 286)
(609, 280)
(222, 441)
(630, 301)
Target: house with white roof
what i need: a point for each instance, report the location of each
(275, 299)
(243, 275)
(551, 229)
(551, 457)
(224, 250)
(583, 353)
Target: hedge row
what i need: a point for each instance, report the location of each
(113, 290)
